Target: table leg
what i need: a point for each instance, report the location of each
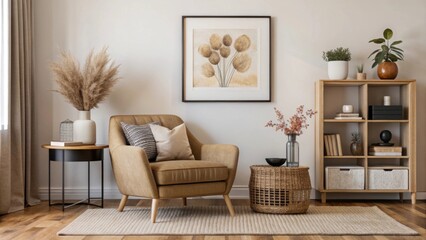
(102, 181)
(88, 181)
(63, 180)
(49, 184)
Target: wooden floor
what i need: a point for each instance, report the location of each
(42, 222)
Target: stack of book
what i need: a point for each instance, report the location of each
(385, 150)
(64, 144)
(347, 116)
(333, 145)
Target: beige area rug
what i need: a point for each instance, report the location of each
(215, 220)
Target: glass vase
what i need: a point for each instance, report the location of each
(292, 151)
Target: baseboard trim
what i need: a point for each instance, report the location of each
(237, 192)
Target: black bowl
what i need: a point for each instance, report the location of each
(276, 162)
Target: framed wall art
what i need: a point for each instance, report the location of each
(226, 58)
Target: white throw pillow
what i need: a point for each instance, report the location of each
(172, 144)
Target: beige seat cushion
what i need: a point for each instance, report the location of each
(188, 171)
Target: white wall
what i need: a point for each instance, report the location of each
(145, 38)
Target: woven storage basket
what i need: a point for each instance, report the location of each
(279, 189)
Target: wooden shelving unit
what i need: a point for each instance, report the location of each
(331, 95)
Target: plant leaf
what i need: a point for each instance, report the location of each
(375, 51)
(397, 51)
(395, 48)
(400, 56)
(385, 48)
(377, 40)
(379, 57)
(387, 34)
(393, 57)
(374, 64)
(396, 42)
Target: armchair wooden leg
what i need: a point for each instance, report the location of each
(154, 210)
(122, 203)
(229, 205)
(184, 201)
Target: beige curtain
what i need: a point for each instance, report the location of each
(17, 183)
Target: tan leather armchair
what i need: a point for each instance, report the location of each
(213, 172)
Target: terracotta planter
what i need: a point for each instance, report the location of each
(387, 70)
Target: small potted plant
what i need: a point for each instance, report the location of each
(337, 62)
(361, 75)
(386, 56)
(356, 146)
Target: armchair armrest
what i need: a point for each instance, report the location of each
(132, 172)
(226, 154)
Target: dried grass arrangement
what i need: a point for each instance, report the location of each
(86, 88)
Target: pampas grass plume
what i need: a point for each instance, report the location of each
(86, 88)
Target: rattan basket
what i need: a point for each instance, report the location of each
(279, 189)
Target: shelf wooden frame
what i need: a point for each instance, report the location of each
(407, 128)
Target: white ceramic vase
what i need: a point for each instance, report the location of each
(338, 70)
(84, 129)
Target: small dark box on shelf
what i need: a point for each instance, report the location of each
(380, 112)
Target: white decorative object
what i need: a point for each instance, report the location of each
(387, 100)
(84, 129)
(338, 70)
(388, 178)
(65, 131)
(338, 177)
(348, 109)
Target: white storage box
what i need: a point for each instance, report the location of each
(388, 178)
(342, 177)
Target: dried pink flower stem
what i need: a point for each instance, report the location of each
(295, 124)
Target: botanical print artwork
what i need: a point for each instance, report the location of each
(225, 58)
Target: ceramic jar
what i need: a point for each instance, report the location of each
(84, 129)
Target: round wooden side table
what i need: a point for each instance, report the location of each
(281, 190)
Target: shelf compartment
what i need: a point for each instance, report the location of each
(344, 129)
(347, 95)
(396, 128)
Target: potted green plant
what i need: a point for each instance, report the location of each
(361, 75)
(337, 62)
(386, 56)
